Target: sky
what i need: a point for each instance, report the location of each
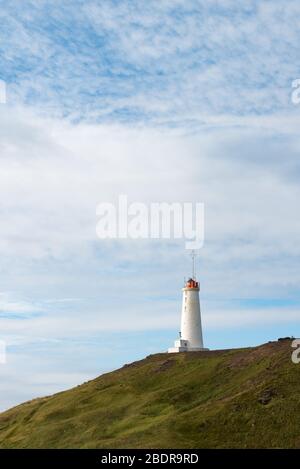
(164, 101)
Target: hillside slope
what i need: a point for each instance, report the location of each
(230, 398)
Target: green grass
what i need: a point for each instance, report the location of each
(245, 398)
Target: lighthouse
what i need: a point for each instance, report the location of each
(190, 335)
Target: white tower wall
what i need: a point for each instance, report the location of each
(191, 328)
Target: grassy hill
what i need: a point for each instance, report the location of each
(227, 398)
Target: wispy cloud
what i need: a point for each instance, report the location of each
(163, 101)
(14, 309)
(171, 63)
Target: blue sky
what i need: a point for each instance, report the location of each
(163, 101)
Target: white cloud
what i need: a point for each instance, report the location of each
(165, 101)
(53, 175)
(142, 62)
(8, 306)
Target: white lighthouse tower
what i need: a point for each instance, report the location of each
(190, 336)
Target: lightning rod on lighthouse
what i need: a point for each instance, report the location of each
(190, 336)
